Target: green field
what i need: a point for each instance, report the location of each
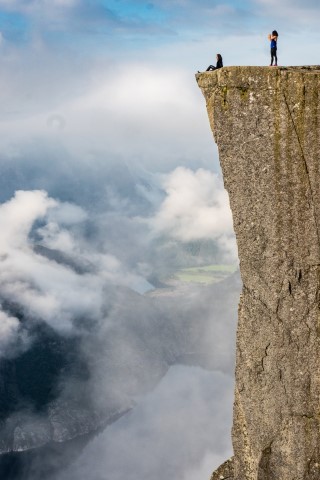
(205, 274)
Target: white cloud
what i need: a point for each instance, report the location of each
(303, 14)
(196, 207)
(9, 327)
(130, 111)
(45, 288)
(18, 215)
(32, 4)
(172, 433)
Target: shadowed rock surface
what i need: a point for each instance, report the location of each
(266, 123)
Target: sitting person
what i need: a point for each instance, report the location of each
(218, 65)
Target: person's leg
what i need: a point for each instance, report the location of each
(211, 67)
(275, 58)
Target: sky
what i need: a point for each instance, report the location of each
(108, 169)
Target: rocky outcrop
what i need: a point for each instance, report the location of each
(225, 471)
(266, 122)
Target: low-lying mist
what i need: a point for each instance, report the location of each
(114, 362)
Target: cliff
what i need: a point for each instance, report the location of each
(266, 123)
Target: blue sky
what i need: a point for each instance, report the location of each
(132, 26)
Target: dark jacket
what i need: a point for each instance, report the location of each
(219, 63)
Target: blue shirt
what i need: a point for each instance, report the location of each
(273, 43)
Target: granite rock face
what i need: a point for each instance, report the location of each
(225, 471)
(266, 123)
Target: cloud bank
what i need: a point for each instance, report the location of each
(196, 207)
(58, 270)
(188, 413)
(46, 289)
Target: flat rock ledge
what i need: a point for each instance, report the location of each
(224, 472)
(266, 123)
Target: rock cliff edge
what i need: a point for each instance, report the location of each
(266, 123)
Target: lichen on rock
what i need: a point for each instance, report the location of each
(266, 123)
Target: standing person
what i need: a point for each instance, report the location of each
(273, 37)
(218, 65)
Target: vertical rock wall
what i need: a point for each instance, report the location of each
(266, 123)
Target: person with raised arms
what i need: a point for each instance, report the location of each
(273, 37)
